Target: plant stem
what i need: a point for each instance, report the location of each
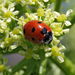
(30, 67)
(69, 66)
(72, 20)
(20, 65)
(63, 66)
(58, 5)
(43, 63)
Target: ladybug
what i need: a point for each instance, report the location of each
(37, 32)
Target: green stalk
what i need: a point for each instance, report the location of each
(72, 20)
(69, 66)
(20, 65)
(30, 67)
(27, 9)
(43, 63)
(58, 5)
(65, 67)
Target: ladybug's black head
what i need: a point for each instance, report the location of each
(48, 38)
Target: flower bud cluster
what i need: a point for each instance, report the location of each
(3, 67)
(11, 29)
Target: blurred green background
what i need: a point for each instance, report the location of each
(69, 39)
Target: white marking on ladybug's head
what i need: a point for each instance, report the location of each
(48, 38)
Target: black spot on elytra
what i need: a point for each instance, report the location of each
(24, 31)
(44, 31)
(33, 39)
(39, 22)
(33, 29)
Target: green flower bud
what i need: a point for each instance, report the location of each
(16, 31)
(18, 0)
(9, 41)
(40, 12)
(7, 14)
(33, 0)
(2, 67)
(62, 17)
(28, 53)
(55, 50)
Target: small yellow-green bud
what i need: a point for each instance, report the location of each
(28, 53)
(18, 0)
(55, 51)
(26, 14)
(26, 20)
(33, 0)
(55, 41)
(2, 67)
(7, 14)
(9, 41)
(16, 31)
(58, 31)
(40, 12)
(52, 0)
(61, 17)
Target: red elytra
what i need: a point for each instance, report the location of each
(37, 32)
